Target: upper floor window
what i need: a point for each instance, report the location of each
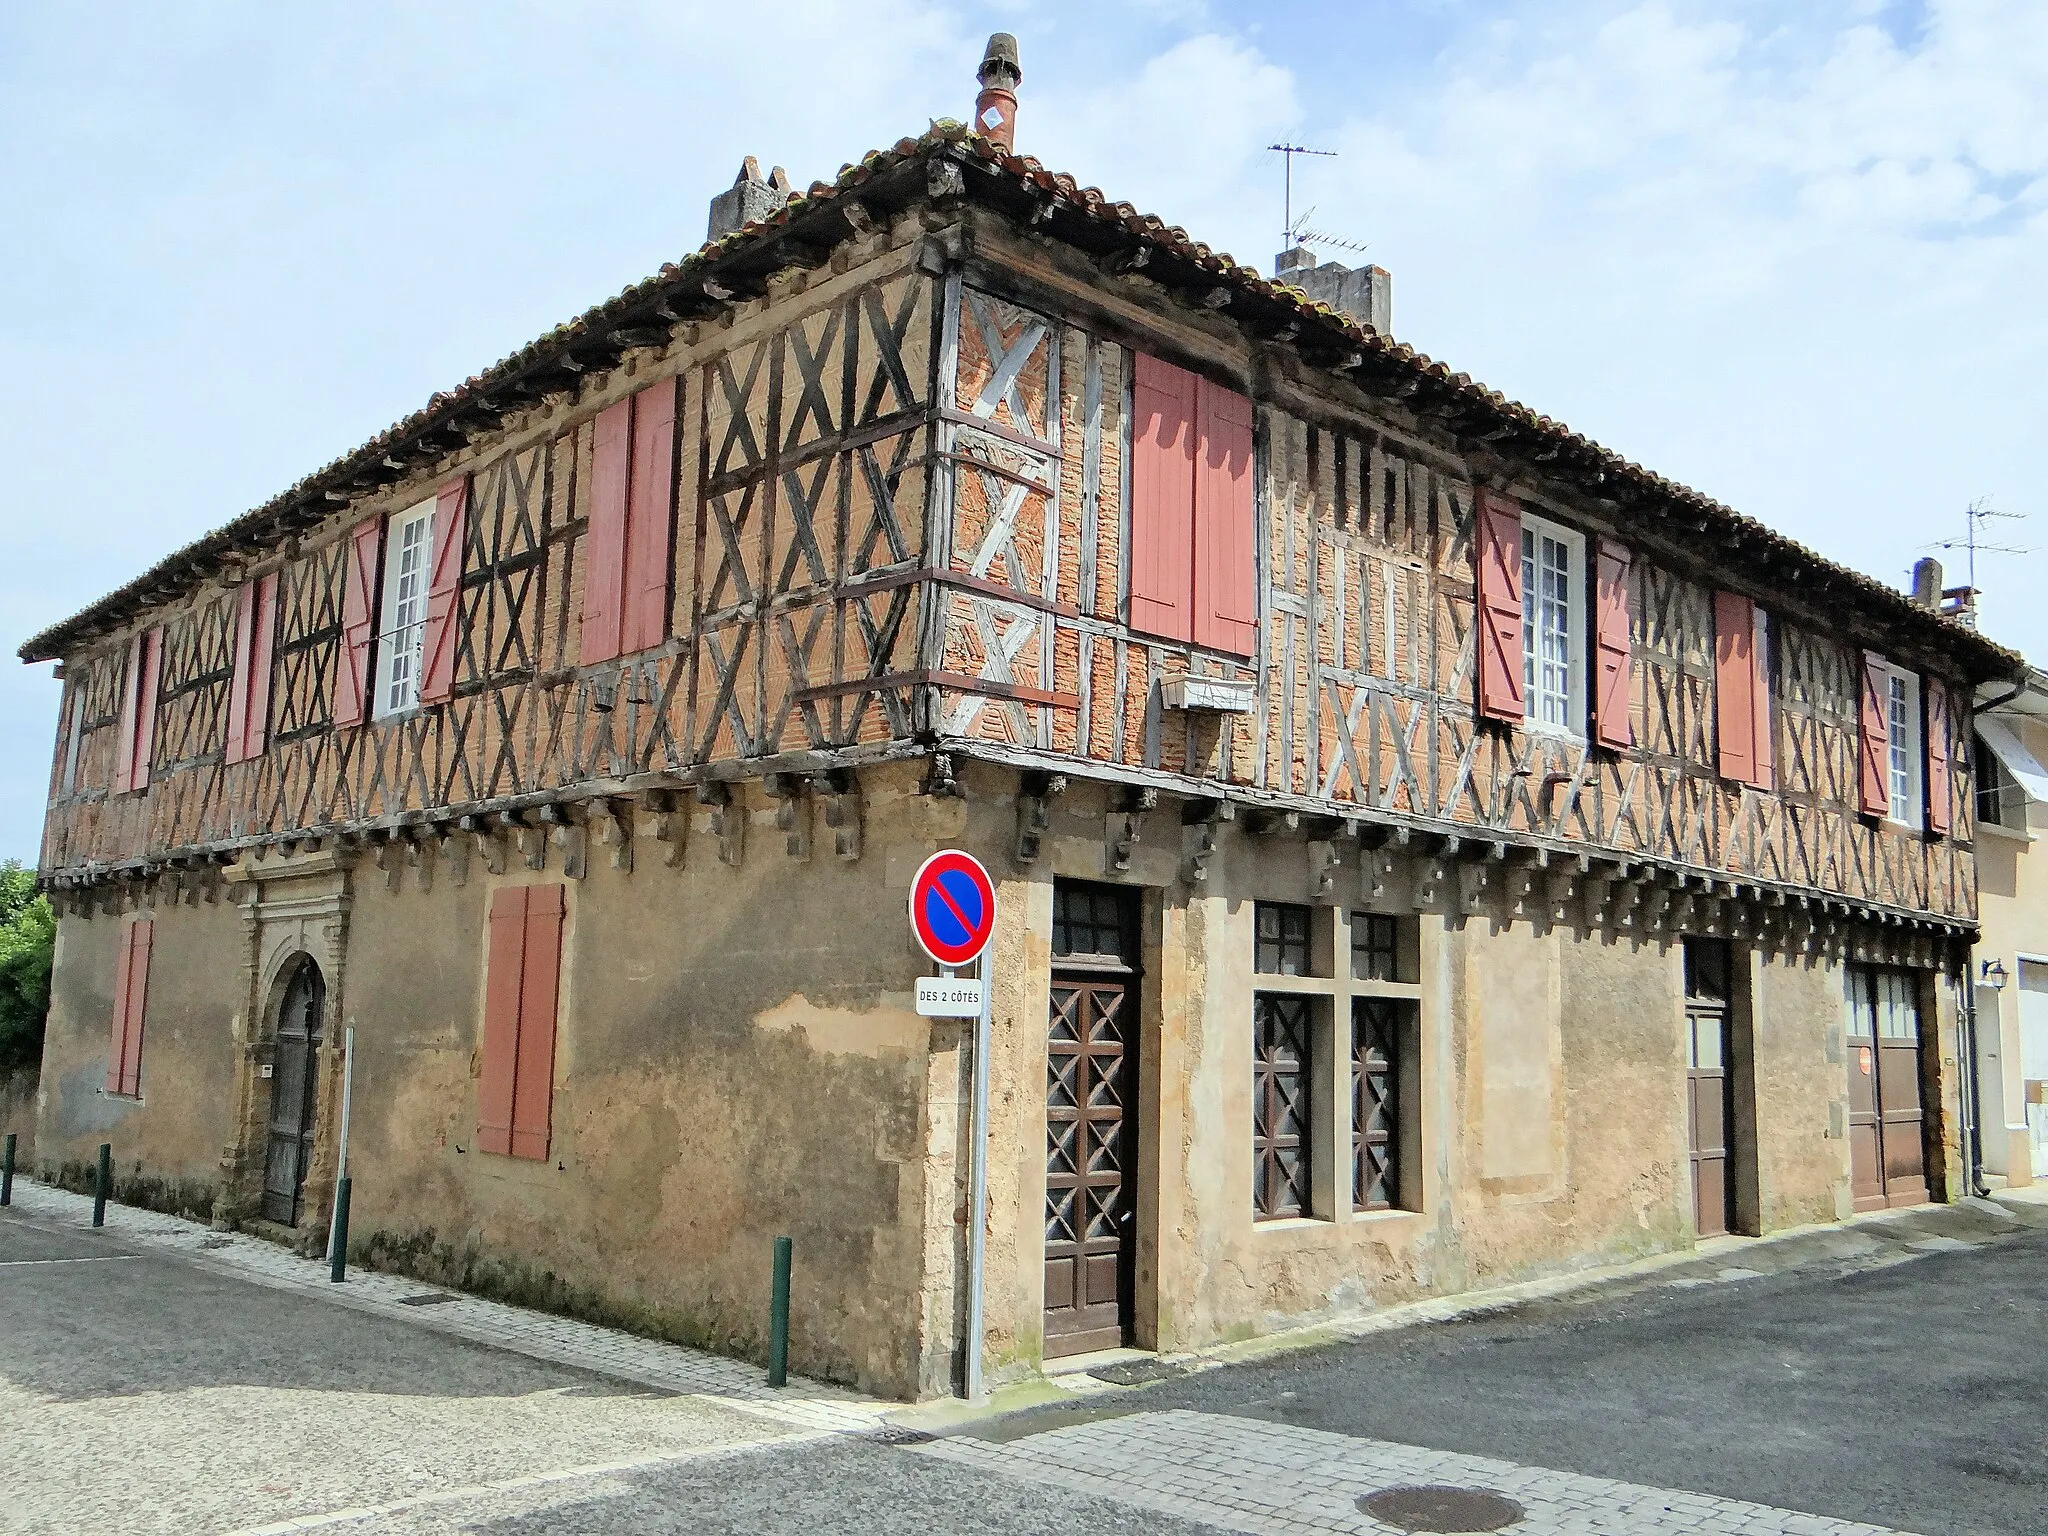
(1193, 554)
(401, 641)
(1902, 745)
(1551, 625)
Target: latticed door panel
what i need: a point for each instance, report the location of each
(1281, 1121)
(1375, 1088)
(1088, 1165)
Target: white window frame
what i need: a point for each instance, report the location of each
(402, 615)
(1572, 702)
(1905, 754)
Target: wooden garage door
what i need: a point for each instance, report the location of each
(1887, 1123)
(1090, 1121)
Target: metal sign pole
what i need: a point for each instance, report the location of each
(977, 1231)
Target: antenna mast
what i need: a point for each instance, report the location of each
(1288, 237)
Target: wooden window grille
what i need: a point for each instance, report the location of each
(1377, 1027)
(1281, 947)
(1282, 1093)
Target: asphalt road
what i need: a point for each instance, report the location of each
(1902, 1382)
(1911, 1395)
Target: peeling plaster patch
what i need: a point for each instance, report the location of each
(83, 1109)
(849, 1032)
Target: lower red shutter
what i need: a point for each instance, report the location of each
(437, 669)
(117, 1028)
(1937, 732)
(533, 1089)
(1497, 575)
(1226, 604)
(352, 681)
(1734, 687)
(1161, 557)
(1873, 741)
(500, 1053)
(604, 546)
(650, 521)
(1612, 647)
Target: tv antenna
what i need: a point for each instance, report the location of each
(1291, 235)
(1979, 513)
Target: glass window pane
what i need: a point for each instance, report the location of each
(1281, 943)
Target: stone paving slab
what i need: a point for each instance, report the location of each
(1266, 1479)
(802, 1405)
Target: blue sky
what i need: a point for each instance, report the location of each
(1798, 264)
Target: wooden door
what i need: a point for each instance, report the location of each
(1887, 1119)
(290, 1148)
(1090, 1123)
(1706, 1089)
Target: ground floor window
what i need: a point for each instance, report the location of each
(1282, 1093)
(1378, 1025)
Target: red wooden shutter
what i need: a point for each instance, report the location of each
(145, 713)
(238, 685)
(1497, 553)
(352, 681)
(249, 692)
(1760, 698)
(1734, 682)
(502, 968)
(131, 997)
(117, 1029)
(437, 669)
(650, 523)
(1226, 611)
(1161, 557)
(1612, 650)
(604, 560)
(131, 705)
(533, 1091)
(1873, 744)
(1937, 734)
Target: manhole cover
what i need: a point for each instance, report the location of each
(1442, 1509)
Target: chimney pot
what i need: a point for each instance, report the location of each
(749, 198)
(1927, 582)
(995, 109)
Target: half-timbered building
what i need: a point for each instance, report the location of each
(1431, 849)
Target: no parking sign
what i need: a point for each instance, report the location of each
(952, 907)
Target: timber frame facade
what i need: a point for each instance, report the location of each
(892, 561)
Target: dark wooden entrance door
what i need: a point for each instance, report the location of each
(1090, 1122)
(1887, 1122)
(290, 1148)
(1708, 1102)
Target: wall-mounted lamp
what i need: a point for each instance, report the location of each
(1992, 974)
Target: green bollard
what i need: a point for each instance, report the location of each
(778, 1317)
(337, 1239)
(7, 1171)
(102, 1185)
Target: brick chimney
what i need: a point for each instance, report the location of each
(747, 199)
(995, 109)
(1366, 294)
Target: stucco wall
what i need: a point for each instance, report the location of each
(173, 1136)
(2013, 911)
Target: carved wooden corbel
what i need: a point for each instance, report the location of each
(791, 793)
(1323, 861)
(671, 828)
(570, 837)
(1208, 818)
(425, 846)
(1124, 827)
(843, 812)
(728, 819)
(1034, 812)
(614, 822)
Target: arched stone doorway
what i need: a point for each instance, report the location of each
(289, 1151)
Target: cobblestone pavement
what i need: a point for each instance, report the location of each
(156, 1376)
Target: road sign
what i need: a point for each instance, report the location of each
(952, 906)
(948, 997)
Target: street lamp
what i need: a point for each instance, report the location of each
(1992, 975)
